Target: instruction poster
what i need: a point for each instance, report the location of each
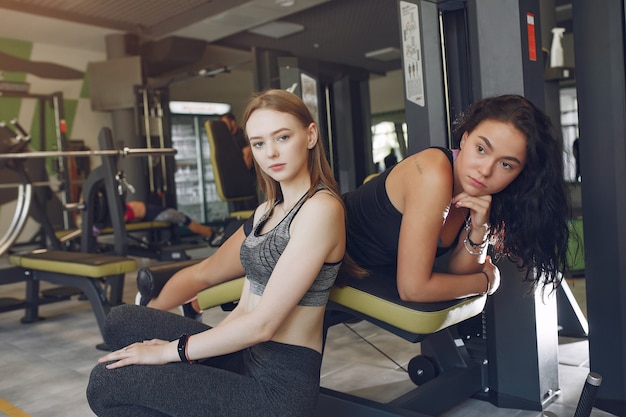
(412, 52)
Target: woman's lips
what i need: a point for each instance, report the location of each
(475, 183)
(277, 167)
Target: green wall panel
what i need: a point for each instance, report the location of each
(20, 49)
(9, 108)
(85, 92)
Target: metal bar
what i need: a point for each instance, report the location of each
(146, 121)
(10, 185)
(125, 152)
(159, 117)
(63, 172)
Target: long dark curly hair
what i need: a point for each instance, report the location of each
(529, 218)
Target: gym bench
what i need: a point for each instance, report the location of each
(91, 273)
(70, 234)
(446, 372)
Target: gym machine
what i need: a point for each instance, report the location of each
(520, 331)
(490, 48)
(14, 155)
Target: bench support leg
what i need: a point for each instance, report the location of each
(459, 376)
(116, 292)
(31, 312)
(332, 403)
(91, 287)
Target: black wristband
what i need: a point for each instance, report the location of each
(182, 348)
(467, 234)
(475, 245)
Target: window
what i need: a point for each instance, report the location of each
(569, 128)
(386, 145)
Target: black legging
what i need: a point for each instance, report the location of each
(270, 379)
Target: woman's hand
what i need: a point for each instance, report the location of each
(149, 352)
(493, 273)
(478, 206)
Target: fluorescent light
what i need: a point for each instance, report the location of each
(386, 54)
(285, 3)
(197, 107)
(277, 30)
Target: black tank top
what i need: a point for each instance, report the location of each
(374, 223)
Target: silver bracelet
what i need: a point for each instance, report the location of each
(472, 250)
(471, 247)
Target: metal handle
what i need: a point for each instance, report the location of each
(588, 395)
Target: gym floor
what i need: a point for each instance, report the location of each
(45, 366)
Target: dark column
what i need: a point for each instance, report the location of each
(600, 82)
(338, 97)
(501, 59)
(125, 131)
(551, 86)
(265, 69)
(522, 343)
(351, 130)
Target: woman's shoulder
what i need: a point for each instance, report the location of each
(435, 154)
(429, 163)
(322, 202)
(423, 174)
(321, 213)
(323, 198)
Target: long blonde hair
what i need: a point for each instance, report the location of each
(318, 166)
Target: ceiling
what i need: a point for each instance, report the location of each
(335, 31)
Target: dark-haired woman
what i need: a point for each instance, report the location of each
(503, 186)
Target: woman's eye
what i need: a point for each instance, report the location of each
(480, 148)
(282, 138)
(506, 165)
(257, 144)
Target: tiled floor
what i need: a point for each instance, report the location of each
(44, 366)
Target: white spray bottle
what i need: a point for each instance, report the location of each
(556, 50)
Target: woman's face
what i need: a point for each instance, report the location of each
(491, 157)
(280, 144)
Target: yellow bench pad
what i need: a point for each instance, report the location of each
(130, 227)
(376, 298)
(418, 318)
(74, 263)
(226, 292)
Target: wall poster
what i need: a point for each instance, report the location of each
(412, 53)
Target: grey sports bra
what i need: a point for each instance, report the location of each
(260, 253)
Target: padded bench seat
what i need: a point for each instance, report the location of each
(65, 235)
(445, 371)
(75, 269)
(372, 299)
(151, 279)
(376, 299)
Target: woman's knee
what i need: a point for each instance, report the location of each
(100, 389)
(119, 330)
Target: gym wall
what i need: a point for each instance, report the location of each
(82, 122)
